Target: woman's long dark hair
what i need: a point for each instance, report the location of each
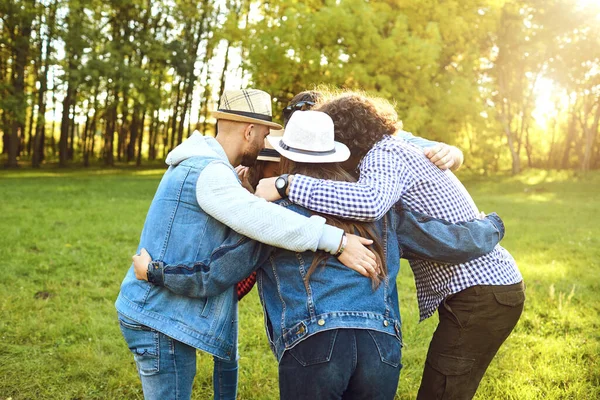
(334, 171)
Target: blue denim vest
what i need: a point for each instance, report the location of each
(177, 228)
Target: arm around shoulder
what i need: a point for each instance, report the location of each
(231, 262)
(427, 238)
(220, 195)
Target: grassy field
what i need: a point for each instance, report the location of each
(67, 238)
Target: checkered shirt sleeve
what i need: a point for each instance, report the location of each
(383, 179)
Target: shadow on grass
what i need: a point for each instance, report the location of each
(54, 171)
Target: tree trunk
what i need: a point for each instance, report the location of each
(40, 128)
(53, 128)
(89, 131)
(528, 148)
(123, 129)
(92, 140)
(207, 93)
(29, 137)
(589, 135)
(65, 124)
(138, 160)
(550, 162)
(17, 113)
(224, 71)
(134, 128)
(569, 139)
(175, 114)
(109, 133)
(152, 136)
(186, 103)
(72, 129)
(166, 138)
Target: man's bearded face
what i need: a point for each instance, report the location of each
(254, 147)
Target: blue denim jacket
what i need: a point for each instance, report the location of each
(294, 308)
(176, 228)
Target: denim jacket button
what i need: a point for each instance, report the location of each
(386, 322)
(321, 322)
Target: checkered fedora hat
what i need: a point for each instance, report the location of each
(246, 105)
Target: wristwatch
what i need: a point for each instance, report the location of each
(281, 184)
(155, 272)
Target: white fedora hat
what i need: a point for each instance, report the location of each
(308, 138)
(269, 153)
(246, 105)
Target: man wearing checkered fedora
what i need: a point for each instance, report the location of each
(198, 201)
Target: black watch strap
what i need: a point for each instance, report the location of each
(282, 190)
(155, 273)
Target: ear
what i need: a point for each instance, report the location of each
(248, 132)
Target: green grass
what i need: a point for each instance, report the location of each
(67, 237)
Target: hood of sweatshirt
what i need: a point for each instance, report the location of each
(196, 145)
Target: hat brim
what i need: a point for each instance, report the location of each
(242, 118)
(268, 158)
(341, 153)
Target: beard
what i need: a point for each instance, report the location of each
(249, 156)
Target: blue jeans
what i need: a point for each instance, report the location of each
(167, 367)
(342, 364)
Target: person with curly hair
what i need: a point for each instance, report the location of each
(478, 302)
(442, 155)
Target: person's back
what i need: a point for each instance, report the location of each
(298, 306)
(439, 194)
(177, 228)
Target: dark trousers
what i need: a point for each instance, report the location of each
(341, 364)
(473, 325)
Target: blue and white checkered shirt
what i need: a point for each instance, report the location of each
(394, 170)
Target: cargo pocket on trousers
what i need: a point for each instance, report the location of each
(143, 343)
(511, 299)
(454, 374)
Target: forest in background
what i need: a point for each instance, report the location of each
(515, 84)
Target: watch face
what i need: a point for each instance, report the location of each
(279, 183)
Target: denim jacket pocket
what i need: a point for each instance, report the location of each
(143, 343)
(315, 349)
(207, 307)
(389, 347)
(510, 299)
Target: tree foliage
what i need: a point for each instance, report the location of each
(515, 83)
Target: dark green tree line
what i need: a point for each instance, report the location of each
(90, 81)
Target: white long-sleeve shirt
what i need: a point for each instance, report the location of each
(220, 194)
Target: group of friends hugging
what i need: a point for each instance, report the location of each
(316, 215)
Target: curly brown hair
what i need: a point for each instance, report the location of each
(360, 121)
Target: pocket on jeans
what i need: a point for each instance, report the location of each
(143, 343)
(315, 349)
(510, 299)
(388, 346)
